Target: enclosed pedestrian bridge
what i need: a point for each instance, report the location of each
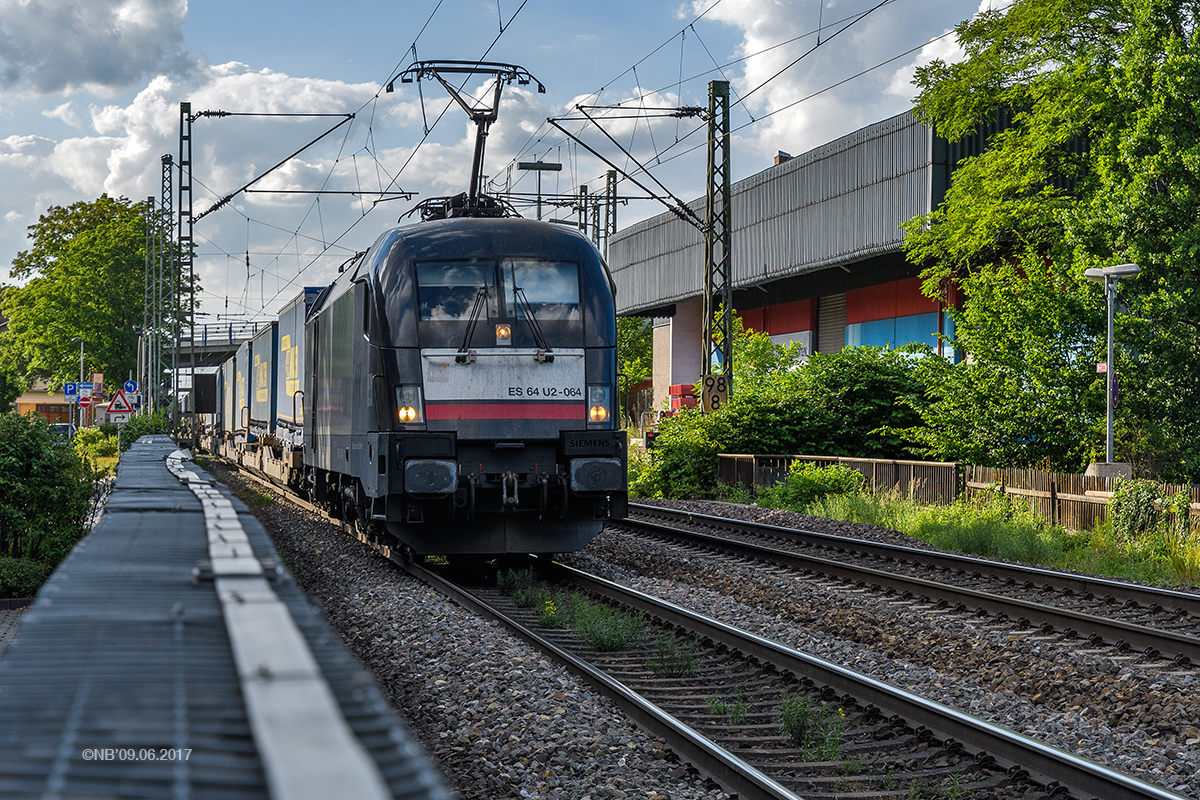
(816, 250)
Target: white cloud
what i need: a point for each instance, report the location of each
(50, 46)
(65, 113)
(828, 112)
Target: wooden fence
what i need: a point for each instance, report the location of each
(924, 481)
(1077, 502)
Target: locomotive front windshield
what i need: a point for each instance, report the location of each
(465, 302)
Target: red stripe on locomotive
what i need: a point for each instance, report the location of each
(574, 411)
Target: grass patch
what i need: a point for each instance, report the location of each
(260, 499)
(603, 628)
(993, 526)
(816, 728)
(607, 629)
(675, 659)
(735, 710)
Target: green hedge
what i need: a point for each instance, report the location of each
(46, 491)
(21, 577)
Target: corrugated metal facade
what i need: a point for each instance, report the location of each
(837, 204)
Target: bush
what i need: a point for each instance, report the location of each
(21, 577)
(852, 403)
(141, 424)
(808, 483)
(92, 443)
(46, 489)
(1134, 508)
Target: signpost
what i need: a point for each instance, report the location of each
(120, 404)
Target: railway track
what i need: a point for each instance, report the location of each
(1153, 621)
(894, 743)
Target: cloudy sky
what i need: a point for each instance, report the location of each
(90, 92)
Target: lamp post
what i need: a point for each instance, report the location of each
(81, 343)
(1110, 277)
(539, 167)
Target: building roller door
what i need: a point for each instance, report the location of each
(831, 323)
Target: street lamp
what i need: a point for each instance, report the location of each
(81, 343)
(1110, 277)
(539, 167)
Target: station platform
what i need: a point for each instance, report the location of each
(172, 656)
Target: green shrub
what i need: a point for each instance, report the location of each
(607, 629)
(141, 424)
(817, 728)
(853, 403)
(735, 709)
(110, 428)
(1134, 507)
(46, 491)
(807, 483)
(675, 659)
(93, 443)
(21, 577)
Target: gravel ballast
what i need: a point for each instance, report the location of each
(498, 717)
(1141, 717)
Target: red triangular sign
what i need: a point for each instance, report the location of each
(120, 404)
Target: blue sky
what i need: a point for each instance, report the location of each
(90, 93)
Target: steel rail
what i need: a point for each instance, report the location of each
(1080, 584)
(1049, 765)
(734, 774)
(1151, 641)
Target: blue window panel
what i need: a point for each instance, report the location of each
(895, 332)
(919, 328)
(876, 333)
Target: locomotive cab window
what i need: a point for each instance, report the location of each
(520, 302)
(541, 302)
(448, 290)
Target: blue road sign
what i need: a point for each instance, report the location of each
(70, 389)
(131, 386)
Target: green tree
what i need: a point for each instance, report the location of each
(1023, 220)
(83, 276)
(635, 348)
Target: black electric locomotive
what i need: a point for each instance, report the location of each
(460, 389)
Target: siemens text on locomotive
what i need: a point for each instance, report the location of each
(455, 388)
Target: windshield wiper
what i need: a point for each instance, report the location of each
(464, 354)
(543, 353)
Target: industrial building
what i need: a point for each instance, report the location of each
(816, 251)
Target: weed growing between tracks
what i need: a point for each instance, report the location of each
(675, 659)
(736, 709)
(818, 729)
(603, 628)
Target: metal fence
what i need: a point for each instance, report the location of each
(1077, 502)
(923, 481)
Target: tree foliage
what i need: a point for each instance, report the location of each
(1023, 220)
(635, 345)
(849, 403)
(46, 488)
(83, 276)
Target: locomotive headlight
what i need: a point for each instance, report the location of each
(408, 401)
(599, 403)
(503, 334)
